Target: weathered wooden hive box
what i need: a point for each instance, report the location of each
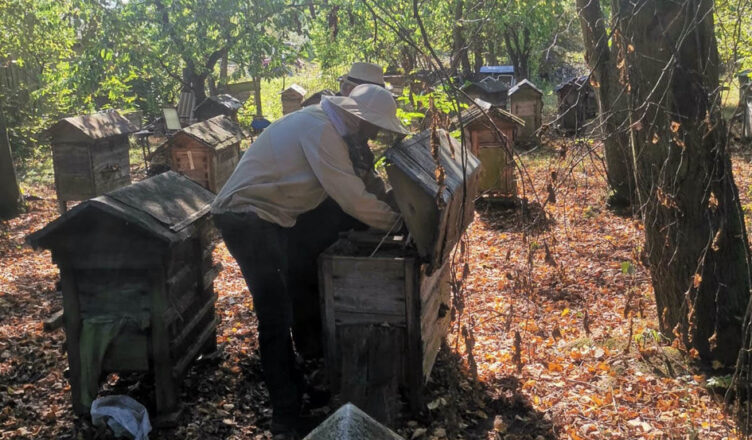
(497, 173)
(90, 155)
(385, 301)
(576, 103)
(206, 152)
(526, 102)
(137, 283)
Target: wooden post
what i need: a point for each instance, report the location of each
(166, 388)
(72, 318)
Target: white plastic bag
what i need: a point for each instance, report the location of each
(124, 415)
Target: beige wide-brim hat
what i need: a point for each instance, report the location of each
(361, 73)
(373, 104)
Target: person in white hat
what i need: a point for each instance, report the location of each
(361, 73)
(294, 189)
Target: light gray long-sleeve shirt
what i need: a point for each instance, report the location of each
(292, 167)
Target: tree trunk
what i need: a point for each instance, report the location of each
(11, 202)
(519, 52)
(477, 54)
(459, 46)
(611, 96)
(694, 226)
(257, 95)
(492, 58)
(223, 67)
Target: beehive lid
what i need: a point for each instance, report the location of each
(217, 132)
(350, 423)
(294, 91)
(524, 84)
(474, 113)
(163, 206)
(224, 100)
(95, 126)
(435, 214)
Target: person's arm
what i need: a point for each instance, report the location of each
(330, 161)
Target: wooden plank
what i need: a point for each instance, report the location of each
(197, 318)
(166, 387)
(328, 327)
(209, 276)
(110, 165)
(414, 353)
(371, 355)
(192, 352)
(72, 318)
(54, 322)
(73, 178)
(368, 268)
(387, 298)
(364, 318)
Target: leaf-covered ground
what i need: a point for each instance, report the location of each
(556, 338)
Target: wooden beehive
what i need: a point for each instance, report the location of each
(90, 155)
(497, 174)
(137, 283)
(292, 98)
(222, 104)
(488, 89)
(526, 102)
(207, 152)
(576, 104)
(386, 312)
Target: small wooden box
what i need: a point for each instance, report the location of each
(206, 152)
(526, 102)
(90, 155)
(497, 164)
(137, 282)
(386, 312)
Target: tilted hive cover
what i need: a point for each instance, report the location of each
(435, 201)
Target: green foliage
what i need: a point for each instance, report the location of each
(733, 27)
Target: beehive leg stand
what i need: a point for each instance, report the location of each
(72, 318)
(166, 389)
(62, 205)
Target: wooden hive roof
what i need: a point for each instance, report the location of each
(95, 126)
(164, 206)
(218, 132)
(224, 100)
(474, 113)
(524, 84)
(293, 91)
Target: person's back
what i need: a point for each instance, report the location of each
(277, 181)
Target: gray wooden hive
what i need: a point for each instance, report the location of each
(90, 155)
(137, 282)
(385, 313)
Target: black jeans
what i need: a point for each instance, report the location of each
(279, 267)
(260, 248)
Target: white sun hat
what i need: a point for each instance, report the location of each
(364, 73)
(373, 104)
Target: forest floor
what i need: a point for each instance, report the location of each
(556, 338)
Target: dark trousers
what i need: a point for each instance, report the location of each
(279, 267)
